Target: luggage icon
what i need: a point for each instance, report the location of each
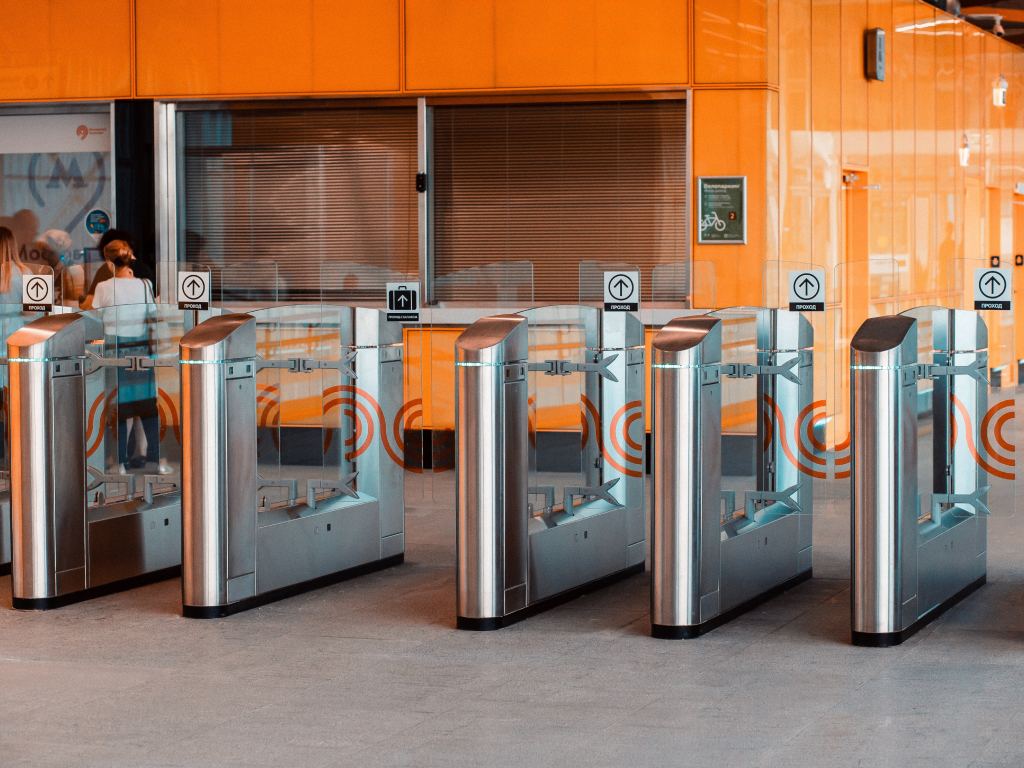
(402, 299)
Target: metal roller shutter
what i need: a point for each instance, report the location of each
(557, 184)
(299, 187)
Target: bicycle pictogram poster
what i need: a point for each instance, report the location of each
(722, 209)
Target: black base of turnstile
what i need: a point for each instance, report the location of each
(889, 639)
(5, 569)
(499, 622)
(49, 603)
(691, 631)
(220, 611)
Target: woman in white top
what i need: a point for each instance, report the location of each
(136, 390)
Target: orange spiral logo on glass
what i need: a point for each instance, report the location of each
(806, 450)
(995, 455)
(368, 420)
(268, 410)
(103, 413)
(626, 454)
(82, 132)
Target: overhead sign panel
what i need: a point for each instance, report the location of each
(37, 293)
(194, 290)
(621, 291)
(807, 290)
(403, 302)
(993, 288)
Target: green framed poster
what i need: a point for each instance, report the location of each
(722, 209)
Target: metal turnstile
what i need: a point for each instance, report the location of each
(909, 565)
(240, 552)
(513, 561)
(709, 561)
(5, 531)
(65, 549)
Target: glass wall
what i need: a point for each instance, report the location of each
(56, 193)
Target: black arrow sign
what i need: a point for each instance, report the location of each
(620, 287)
(38, 289)
(806, 287)
(193, 288)
(994, 283)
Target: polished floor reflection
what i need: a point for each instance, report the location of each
(372, 672)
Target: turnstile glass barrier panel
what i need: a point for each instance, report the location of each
(812, 437)
(242, 287)
(289, 418)
(966, 451)
(462, 298)
(559, 421)
(768, 476)
(615, 388)
(349, 284)
(997, 449)
(133, 429)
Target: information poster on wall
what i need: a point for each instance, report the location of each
(722, 209)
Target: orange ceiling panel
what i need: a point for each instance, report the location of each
(55, 51)
(469, 44)
(239, 47)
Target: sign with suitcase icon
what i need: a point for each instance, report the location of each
(403, 302)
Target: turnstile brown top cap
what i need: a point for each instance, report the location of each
(49, 337)
(495, 339)
(227, 337)
(689, 341)
(889, 341)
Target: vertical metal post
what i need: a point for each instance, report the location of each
(491, 471)
(113, 164)
(165, 163)
(425, 198)
(883, 438)
(687, 475)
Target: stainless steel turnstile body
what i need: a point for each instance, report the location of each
(238, 554)
(62, 549)
(908, 565)
(710, 564)
(512, 563)
(5, 532)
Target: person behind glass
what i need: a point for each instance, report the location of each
(106, 271)
(54, 248)
(136, 390)
(11, 268)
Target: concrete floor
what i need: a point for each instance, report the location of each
(371, 672)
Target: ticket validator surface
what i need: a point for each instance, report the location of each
(64, 549)
(239, 551)
(512, 560)
(918, 538)
(709, 561)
